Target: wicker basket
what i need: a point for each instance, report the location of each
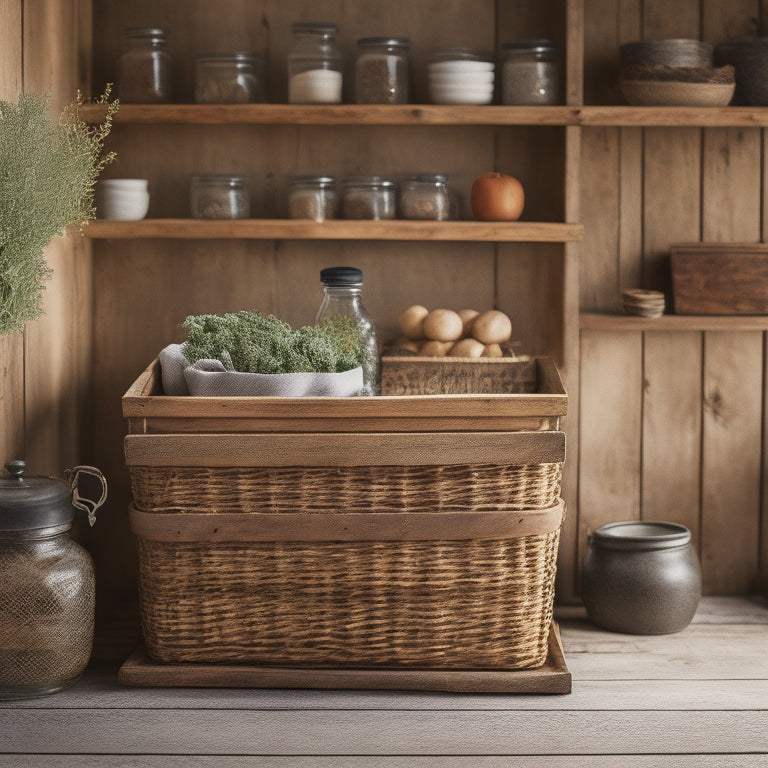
(369, 549)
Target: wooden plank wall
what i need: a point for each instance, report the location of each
(45, 371)
(672, 423)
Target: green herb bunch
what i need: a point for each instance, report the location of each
(250, 342)
(48, 171)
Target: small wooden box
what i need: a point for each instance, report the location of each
(720, 278)
(417, 375)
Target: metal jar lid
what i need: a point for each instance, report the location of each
(30, 503)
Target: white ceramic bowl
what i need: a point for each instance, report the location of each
(461, 96)
(462, 65)
(132, 185)
(122, 202)
(461, 78)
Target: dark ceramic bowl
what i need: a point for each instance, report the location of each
(674, 52)
(641, 578)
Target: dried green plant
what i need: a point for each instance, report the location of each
(48, 171)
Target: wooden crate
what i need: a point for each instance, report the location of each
(720, 278)
(398, 532)
(417, 375)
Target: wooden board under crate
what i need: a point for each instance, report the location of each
(720, 278)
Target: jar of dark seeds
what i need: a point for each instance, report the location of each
(144, 68)
(312, 197)
(368, 197)
(530, 73)
(425, 197)
(382, 71)
(228, 79)
(216, 196)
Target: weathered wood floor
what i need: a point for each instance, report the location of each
(698, 698)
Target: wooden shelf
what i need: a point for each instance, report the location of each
(594, 321)
(334, 114)
(431, 114)
(296, 229)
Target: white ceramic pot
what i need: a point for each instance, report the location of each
(122, 199)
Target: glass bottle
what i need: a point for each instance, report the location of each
(314, 65)
(144, 68)
(382, 70)
(342, 287)
(47, 594)
(529, 73)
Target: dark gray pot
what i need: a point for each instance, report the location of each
(641, 578)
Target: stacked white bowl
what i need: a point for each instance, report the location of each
(461, 81)
(124, 199)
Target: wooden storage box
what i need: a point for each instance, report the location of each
(720, 278)
(390, 532)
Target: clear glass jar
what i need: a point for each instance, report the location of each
(530, 73)
(382, 71)
(342, 288)
(312, 197)
(47, 593)
(368, 197)
(425, 197)
(144, 68)
(217, 196)
(228, 79)
(314, 65)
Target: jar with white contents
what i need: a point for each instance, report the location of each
(314, 65)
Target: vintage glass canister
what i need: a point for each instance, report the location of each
(144, 67)
(315, 65)
(530, 73)
(368, 197)
(425, 196)
(46, 583)
(228, 78)
(342, 289)
(219, 196)
(312, 197)
(641, 578)
(382, 71)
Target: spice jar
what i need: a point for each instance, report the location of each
(144, 68)
(641, 578)
(46, 583)
(368, 197)
(382, 70)
(529, 73)
(217, 196)
(314, 65)
(312, 197)
(227, 79)
(342, 288)
(425, 197)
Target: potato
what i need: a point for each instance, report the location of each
(492, 327)
(443, 325)
(435, 348)
(467, 348)
(467, 318)
(493, 350)
(412, 320)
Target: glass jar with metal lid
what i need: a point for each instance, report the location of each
(144, 68)
(425, 196)
(47, 594)
(312, 197)
(228, 78)
(314, 65)
(530, 73)
(219, 196)
(368, 197)
(382, 71)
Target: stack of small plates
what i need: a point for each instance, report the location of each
(643, 303)
(461, 82)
